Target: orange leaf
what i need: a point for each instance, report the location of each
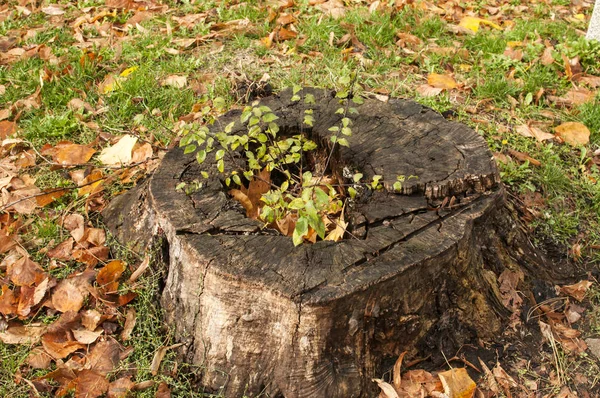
(573, 133)
(110, 272)
(457, 383)
(243, 199)
(7, 128)
(50, 196)
(445, 82)
(73, 154)
(577, 290)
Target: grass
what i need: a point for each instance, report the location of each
(496, 84)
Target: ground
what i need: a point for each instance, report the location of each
(77, 77)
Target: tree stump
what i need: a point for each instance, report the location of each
(320, 320)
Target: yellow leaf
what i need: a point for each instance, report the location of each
(120, 153)
(441, 81)
(457, 383)
(128, 71)
(573, 133)
(472, 23)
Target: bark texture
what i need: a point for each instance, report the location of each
(260, 315)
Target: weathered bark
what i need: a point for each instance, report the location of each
(319, 320)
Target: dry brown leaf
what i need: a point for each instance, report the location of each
(575, 96)
(176, 81)
(92, 184)
(72, 154)
(445, 82)
(120, 388)
(528, 131)
(103, 357)
(504, 379)
(70, 293)
(78, 105)
(85, 336)
(457, 383)
(590, 80)
(577, 290)
(333, 8)
(159, 355)
(19, 334)
(50, 196)
(573, 133)
(163, 391)
(130, 320)
(547, 58)
(141, 153)
(396, 373)
(25, 272)
(387, 390)
(74, 224)
(110, 272)
(120, 153)
(39, 359)
(90, 319)
(7, 128)
(524, 157)
(59, 345)
(428, 91)
(53, 10)
(90, 384)
(140, 269)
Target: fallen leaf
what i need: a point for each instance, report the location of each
(428, 91)
(445, 82)
(53, 10)
(7, 128)
(74, 224)
(85, 336)
(163, 391)
(70, 293)
(25, 272)
(19, 334)
(157, 359)
(528, 131)
(50, 196)
(523, 157)
(104, 356)
(142, 153)
(130, 320)
(176, 81)
(90, 384)
(573, 133)
(387, 390)
(457, 383)
(577, 290)
(473, 23)
(120, 388)
(547, 58)
(39, 359)
(120, 153)
(59, 345)
(66, 153)
(333, 8)
(140, 269)
(110, 272)
(90, 319)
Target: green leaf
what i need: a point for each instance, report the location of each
(236, 179)
(269, 117)
(397, 186)
(253, 121)
(309, 99)
(219, 154)
(221, 166)
(257, 112)
(309, 146)
(265, 109)
(375, 182)
(267, 214)
(262, 137)
(201, 156)
(352, 111)
(306, 178)
(345, 122)
(308, 120)
(343, 142)
(273, 129)
(228, 181)
(300, 230)
(246, 114)
(284, 186)
(352, 192)
(189, 149)
(296, 88)
(333, 138)
(180, 186)
(334, 128)
(295, 98)
(296, 204)
(314, 220)
(347, 131)
(219, 103)
(229, 127)
(358, 100)
(339, 111)
(356, 177)
(204, 174)
(321, 198)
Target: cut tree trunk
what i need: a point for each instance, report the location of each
(593, 32)
(419, 269)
